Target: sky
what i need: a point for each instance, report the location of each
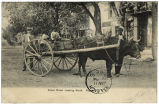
(5, 17)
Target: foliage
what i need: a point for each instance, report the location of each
(44, 17)
(8, 34)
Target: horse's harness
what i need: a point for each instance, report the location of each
(110, 58)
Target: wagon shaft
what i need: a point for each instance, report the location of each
(86, 49)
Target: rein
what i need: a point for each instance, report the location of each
(117, 53)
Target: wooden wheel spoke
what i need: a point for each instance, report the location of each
(72, 58)
(43, 47)
(39, 47)
(74, 55)
(66, 63)
(35, 63)
(59, 62)
(31, 53)
(46, 61)
(35, 46)
(49, 59)
(29, 57)
(47, 49)
(31, 62)
(56, 60)
(41, 69)
(63, 63)
(45, 66)
(38, 65)
(69, 61)
(32, 48)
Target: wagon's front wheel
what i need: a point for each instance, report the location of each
(65, 62)
(38, 57)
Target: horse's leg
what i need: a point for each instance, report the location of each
(31, 64)
(109, 68)
(118, 68)
(84, 65)
(79, 65)
(24, 66)
(79, 68)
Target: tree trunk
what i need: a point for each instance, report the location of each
(56, 5)
(98, 28)
(57, 27)
(154, 30)
(96, 18)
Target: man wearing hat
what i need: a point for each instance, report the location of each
(120, 37)
(26, 38)
(120, 33)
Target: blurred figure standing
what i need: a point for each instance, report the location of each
(27, 38)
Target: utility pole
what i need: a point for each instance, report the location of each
(154, 30)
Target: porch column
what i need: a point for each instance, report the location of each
(135, 28)
(154, 30)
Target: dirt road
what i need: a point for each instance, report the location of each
(141, 74)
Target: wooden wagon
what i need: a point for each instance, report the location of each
(42, 55)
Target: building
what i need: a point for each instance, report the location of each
(143, 25)
(138, 23)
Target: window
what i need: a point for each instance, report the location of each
(110, 13)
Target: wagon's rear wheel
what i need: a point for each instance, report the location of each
(38, 56)
(65, 62)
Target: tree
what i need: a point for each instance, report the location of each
(97, 16)
(8, 34)
(45, 17)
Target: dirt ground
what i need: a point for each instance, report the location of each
(140, 75)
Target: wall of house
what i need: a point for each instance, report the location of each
(149, 31)
(108, 19)
(142, 24)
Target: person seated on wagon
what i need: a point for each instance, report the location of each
(44, 37)
(55, 36)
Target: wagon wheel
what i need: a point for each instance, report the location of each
(65, 61)
(38, 57)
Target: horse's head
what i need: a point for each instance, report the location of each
(131, 47)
